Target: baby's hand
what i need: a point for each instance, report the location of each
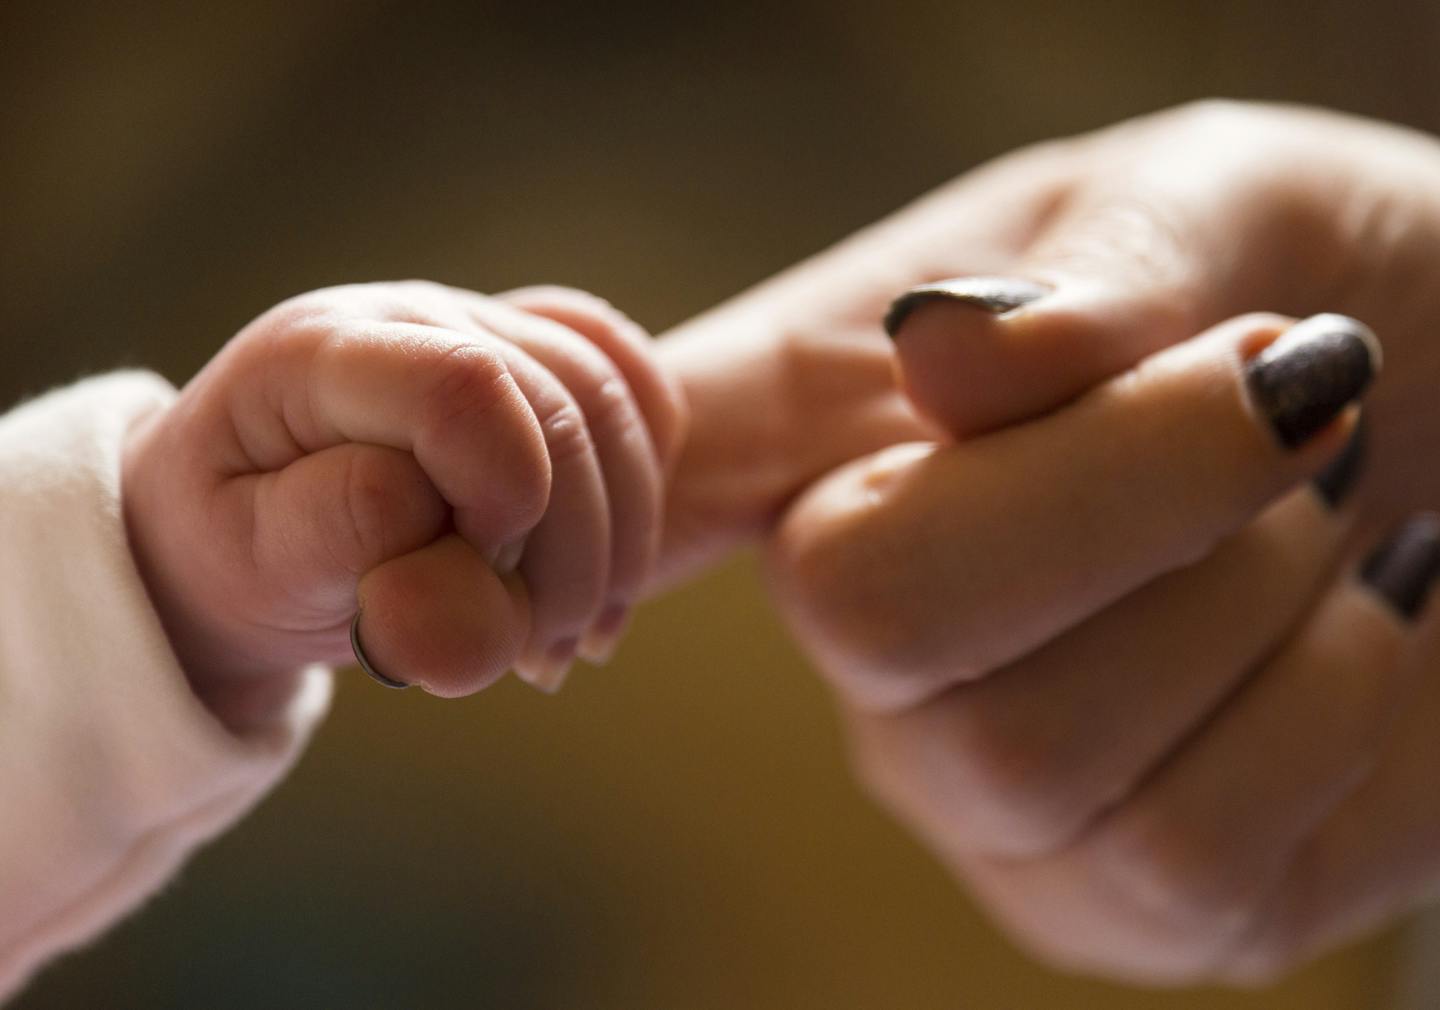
(485, 476)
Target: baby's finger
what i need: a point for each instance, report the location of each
(632, 470)
(326, 519)
(920, 567)
(441, 618)
(566, 558)
(628, 346)
(447, 397)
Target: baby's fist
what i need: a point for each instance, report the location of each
(481, 477)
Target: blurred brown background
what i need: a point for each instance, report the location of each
(678, 830)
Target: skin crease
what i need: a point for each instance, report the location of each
(1148, 234)
(1068, 787)
(345, 444)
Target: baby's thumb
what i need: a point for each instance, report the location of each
(361, 527)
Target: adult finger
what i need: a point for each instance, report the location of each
(919, 567)
(1174, 881)
(1020, 763)
(1174, 223)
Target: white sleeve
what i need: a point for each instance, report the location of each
(111, 770)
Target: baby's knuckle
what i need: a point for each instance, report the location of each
(302, 325)
(467, 381)
(567, 436)
(608, 405)
(372, 511)
(1213, 115)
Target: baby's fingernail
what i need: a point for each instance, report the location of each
(996, 295)
(1403, 569)
(548, 671)
(506, 557)
(599, 644)
(1335, 482)
(364, 660)
(1312, 372)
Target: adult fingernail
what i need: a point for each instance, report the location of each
(549, 671)
(1312, 372)
(1335, 482)
(1404, 567)
(996, 295)
(600, 642)
(364, 660)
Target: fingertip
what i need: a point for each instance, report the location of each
(660, 395)
(978, 354)
(440, 619)
(1303, 379)
(993, 295)
(1402, 569)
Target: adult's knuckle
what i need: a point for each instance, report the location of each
(1180, 877)
(835, 572)
(1013, 781)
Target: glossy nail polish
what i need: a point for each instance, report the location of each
(1403, 569)
(1334, 483)
(1312, 372)
(996, 295)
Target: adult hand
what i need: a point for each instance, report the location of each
(1120, 664)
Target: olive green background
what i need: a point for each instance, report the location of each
(679, 829)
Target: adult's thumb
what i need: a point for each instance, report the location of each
(1098, 294)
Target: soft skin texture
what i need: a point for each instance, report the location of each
(485, 474)
(111, 770)
(1164, 753)
(345, 446)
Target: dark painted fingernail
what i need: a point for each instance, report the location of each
(996, 295)
(1335, 482)
(1319, 366)
(364, 660)
(1405, 566)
